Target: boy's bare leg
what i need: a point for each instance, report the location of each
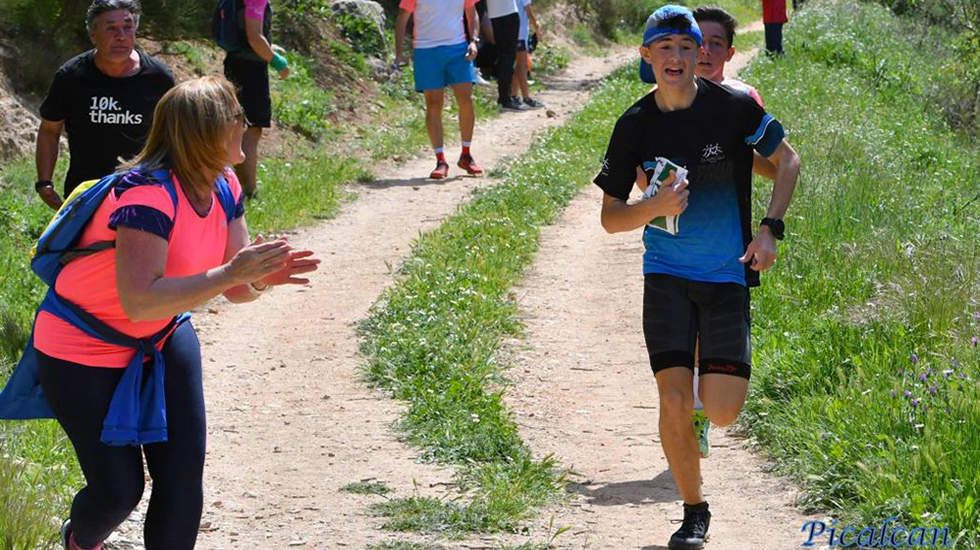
(676, 436)
(723, 396)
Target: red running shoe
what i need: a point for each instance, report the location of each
(467, 163)
(441, 171)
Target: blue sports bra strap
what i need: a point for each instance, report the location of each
(162, 175)
(225, 197)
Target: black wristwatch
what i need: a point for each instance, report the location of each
(41, 184)
(776, 226)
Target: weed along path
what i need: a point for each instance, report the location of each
(582, 390)
(289, 420)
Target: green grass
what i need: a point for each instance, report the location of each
(299, 104)
(866, 388)
(745, 41)
(301, 189)
(433, 339)
(191, 52)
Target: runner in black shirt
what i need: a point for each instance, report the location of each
(697, 267)
(104, 98)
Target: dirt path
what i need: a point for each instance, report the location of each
(289, 420)
(584, 392)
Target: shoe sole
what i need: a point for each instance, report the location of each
(468, 171)
(439, 176)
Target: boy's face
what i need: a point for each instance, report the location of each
(715, 51)
(673, 59)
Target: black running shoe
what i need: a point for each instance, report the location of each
(694, 528)
(510, 105)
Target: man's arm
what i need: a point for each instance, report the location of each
(400, 25)
(262, 48)
(533, 20)
(761, 252)
(618, 215)
(473, 26)
(46, 157)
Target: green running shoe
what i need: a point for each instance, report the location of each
(701, 425)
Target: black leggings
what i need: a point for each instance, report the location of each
(505, 31)
(79, 396)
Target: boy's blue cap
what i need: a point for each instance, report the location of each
(655, 30)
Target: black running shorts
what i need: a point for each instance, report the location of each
(251, 80)
(677, 311)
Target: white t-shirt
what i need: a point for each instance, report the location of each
(500, 8)
(438, 22)
(522, 34)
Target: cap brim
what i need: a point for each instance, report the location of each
(646, 72)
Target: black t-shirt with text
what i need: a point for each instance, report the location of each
(106, 118)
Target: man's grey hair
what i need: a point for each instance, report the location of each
(98, 7)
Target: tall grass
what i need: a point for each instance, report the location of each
(866, 345)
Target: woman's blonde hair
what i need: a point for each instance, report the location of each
(189, 132)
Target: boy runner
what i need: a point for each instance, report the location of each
(717, 48)
(443, 57)
(695, 281)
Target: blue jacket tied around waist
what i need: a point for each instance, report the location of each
(137, 414)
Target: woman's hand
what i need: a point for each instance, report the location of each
(299, 262)
(258, 260)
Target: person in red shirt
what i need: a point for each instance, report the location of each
(773, 17)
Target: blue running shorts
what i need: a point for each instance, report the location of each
(441, 66)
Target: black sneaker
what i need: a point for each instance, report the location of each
(694, 528)
(510, 105)
(66, 534)
(532, 103)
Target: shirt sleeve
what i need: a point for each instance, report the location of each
(407, 5)
(255, 9)
(754, 94)
(144, 208)
(470, 3)
(56, 105)
(618, 173)
(761, 130)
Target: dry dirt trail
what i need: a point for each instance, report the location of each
(583, 391)
(289, 420)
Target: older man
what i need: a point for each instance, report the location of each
(104, 98)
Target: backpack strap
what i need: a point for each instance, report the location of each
(226, 197)
(162, 175)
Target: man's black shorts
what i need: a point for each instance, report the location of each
(676, 312)
(251, 79)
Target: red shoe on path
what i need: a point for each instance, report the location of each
(441, 171)
(467, 163)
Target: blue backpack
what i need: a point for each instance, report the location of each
(228, 26)
(225, 26)
(137, 413)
